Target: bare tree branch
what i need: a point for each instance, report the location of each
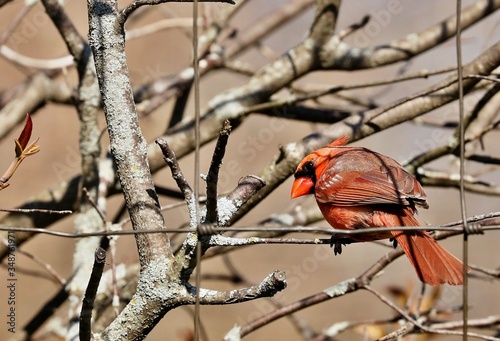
(127, 11)
(271, 285)
(28, 96)
(90, 293)
(213, 173)
(341, 56)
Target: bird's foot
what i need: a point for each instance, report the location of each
(394, 242)
(337, 243)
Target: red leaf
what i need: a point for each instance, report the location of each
(26, 133)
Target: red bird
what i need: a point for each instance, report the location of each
(359, 188)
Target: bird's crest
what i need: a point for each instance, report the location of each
(340, 141)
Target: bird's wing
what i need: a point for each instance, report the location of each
(389, 184)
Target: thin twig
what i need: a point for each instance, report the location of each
(420, 325)
(94, 205)
(213, 173)
(90, 293)
(34, 210)
(171, 160)
(58, 278)
(127, 11)
(354, 27)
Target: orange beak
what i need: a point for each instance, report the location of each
(302, 186)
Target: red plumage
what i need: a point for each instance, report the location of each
(359, 188)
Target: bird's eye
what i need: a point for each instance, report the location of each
(308, 167)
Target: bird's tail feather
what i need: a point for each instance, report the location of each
(433, 264)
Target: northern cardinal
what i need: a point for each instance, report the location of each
(359, 188)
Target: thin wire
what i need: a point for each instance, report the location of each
(196, 167)
(296, 229)
(465, 245)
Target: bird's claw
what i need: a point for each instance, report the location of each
(394, 242)
(337, 243)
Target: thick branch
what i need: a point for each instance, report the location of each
(129, 152)
(128, 146)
